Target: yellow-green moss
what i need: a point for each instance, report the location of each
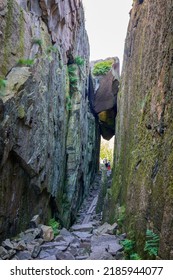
(21, 112)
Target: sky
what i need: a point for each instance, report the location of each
(106, 25)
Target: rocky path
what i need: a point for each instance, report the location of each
(86, 239)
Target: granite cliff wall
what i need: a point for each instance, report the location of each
(143, 178)
(48, 137)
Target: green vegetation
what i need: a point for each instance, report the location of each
(73, 78)
(37, 41)
(121, 216)
(21, 112)
(79, 61)
(25, 62)
(106, 152)
(3, 84)
(102, 67)
(68, 103)
(128, 246)
(152, 243)
(54, 225)
(51, 49)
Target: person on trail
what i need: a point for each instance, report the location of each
(108, 169)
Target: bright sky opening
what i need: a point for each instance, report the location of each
(106, 25)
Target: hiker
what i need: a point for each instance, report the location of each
(108, 168)
(106, 163)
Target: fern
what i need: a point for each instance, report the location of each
(54, 225)
(152, 243)
(79, 61)
(135, 256)
(128, 245)
(73, 78)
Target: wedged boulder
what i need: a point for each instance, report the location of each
(106, 88)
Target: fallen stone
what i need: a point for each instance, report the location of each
(80, 258)
(53, 257)
(20, 246)
(64, 256)
(24, 255)
(11, 253)
(37, 241)
(35, 251)
(47, 233)
(83, 236)
(35, 221)
(100, 255)
(47, 253)
(3, 253)
(67, 236)
(50, 245)
(28, 237)
(108, 243)
(83, 228)
(113, 248)
(106, 229)
(7, 244)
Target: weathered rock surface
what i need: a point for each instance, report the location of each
(143, 178)
(49, 139)
(105, 98)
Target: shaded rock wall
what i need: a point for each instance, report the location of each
(143, 178)
(48, 150)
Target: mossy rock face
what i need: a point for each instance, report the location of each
(143, 158)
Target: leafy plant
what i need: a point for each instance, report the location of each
(37, 41)
(135, 256)
(128, 246)
(68, 103)
(152, 243)
(73, 79)
(102, 67)
(54, 225)
(79, 61)
(3, 84)
(26, 62)
(51, 49)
